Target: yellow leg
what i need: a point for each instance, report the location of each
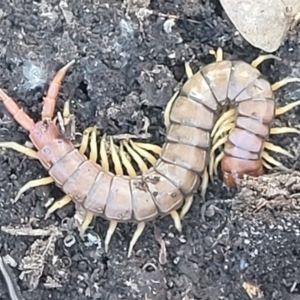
(115, 158)
(217, 54)
(141, 164)
(255, 63)
(283, 82)
(281, 130)
(186, 207)
(32, 184)
(268, 158)
(138, 232)
(230, 114)
(85, 140)
(111, 229)
(150, 147)
(19, 148)
(58, 204)
(204, 184)
(176, 218)
(87, 221)
(275, 148)
(151, 159)
(188, 70)
(103, 155)
(284, 109)
(126, 163)
(168, 110)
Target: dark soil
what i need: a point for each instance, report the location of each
(128, 64)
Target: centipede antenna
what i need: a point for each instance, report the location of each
(139, 230)
(141, 164)
(32, 184)
(281, 130)
(57, 205)
(186, 206)
(283, 82)
(286, 108)
(126, 163)
(277, 149)
(19, 148)
(110, 232)
(150, 158)
(228, 114)
(168, 109)
(103, 155)
(176, 218)
(255, 63)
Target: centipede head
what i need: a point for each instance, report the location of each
(43, 132)
(239, 167)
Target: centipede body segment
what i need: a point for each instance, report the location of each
(186, 159)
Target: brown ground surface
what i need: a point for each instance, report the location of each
(127, 68)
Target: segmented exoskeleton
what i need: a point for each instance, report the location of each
(191, 120)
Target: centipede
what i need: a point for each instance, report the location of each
(227, 103)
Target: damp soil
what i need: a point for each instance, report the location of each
(129, 61)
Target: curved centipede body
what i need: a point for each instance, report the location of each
(185, 159)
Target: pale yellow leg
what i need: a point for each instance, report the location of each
(283, 82)
(66, 112)
(284, 109)
(103, 154)
(281, 130)
(19, 148)
(57, 205)
(168, 110)
(93, 146)
(110, 232)
(115, 158)
(87, 221)
(271, 160)
(217, 54)
(176, 218)
(266, 165)
(141, 164)
(85, 140)
(188, 70)
(212, 155)
(32, 184)
(150, 147)
(126, 163)
(186, 207)
(139, 230)
(255, 63)
(204, 184)
(151, 159)
(276, 148)
(216, 163)
(223, 130)
(227, 115)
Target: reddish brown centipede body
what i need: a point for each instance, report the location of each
(197, 122)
